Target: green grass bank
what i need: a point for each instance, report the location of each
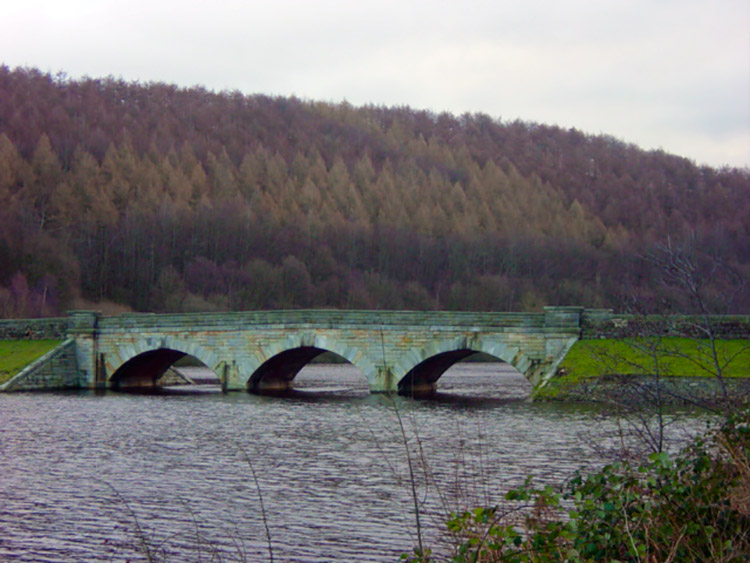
(17, 354)
(670, 357)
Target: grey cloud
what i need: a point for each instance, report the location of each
(655, 73)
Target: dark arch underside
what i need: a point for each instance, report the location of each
(277, 373)
(145, 369)
(422, 378)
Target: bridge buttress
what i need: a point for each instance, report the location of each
(83, 327)
(565, 322)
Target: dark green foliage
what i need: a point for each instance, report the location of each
(691, 507)
(163, 198)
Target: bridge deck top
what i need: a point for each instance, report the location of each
(320, 318)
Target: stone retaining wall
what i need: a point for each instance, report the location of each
(57, 369)
(602, 323)
(632, 390)
(34, 329)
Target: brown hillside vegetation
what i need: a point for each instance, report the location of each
(167, 199)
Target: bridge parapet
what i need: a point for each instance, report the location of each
(300, 318)
(563, 318)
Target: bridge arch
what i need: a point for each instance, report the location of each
(142, 362)
(421, 368)
(275, 365)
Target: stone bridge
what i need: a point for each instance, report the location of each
(397, 351)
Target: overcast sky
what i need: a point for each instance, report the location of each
(670, 74)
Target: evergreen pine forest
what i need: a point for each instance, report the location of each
(152, 197)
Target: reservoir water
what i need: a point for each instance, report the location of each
(180, 475)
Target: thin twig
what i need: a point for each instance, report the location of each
(263, 513)
(412, 479)
(140, 534)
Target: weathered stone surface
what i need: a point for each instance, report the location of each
(57, 369)
(33, 329)
(603, 323)
(265, 349)
(174, 377)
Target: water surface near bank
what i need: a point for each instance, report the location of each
(81, 472)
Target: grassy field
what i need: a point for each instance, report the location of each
(669, 357)
(17, 354)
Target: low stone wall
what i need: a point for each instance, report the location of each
(633, 390)
(602, 323)
(174, 376)
(57, 369)
(34, 329)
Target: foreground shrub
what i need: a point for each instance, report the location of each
(692, 507)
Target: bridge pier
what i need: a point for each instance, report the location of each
(384, 380)
(229, 377)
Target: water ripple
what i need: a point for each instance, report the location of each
(82, 473)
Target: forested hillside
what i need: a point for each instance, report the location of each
(160, 198)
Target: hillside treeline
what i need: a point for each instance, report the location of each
(161, 198)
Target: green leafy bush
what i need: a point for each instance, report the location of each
(691, 507)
